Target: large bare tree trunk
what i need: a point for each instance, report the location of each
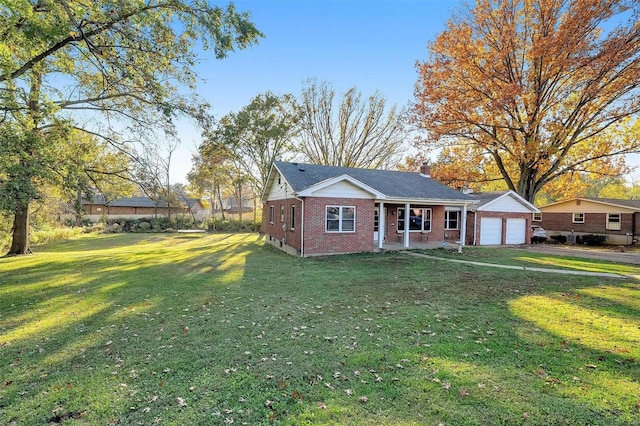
(20, 242)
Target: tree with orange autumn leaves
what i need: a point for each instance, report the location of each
(533, 92)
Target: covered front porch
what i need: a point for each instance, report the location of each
(424, 225)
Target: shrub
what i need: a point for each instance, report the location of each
(593, 239)
(48, 234)
(213, 225)
(559, 238)
(144, 226)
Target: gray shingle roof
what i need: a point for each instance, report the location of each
(125, 201)
(486, 197)
(395, 185)
(99, 199)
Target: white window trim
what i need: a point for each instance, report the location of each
(292, 219)
(282, 213)
(446, 220)
(401, 230)
(573, 218)
(340, 219)
(617, 225)
(537, 217)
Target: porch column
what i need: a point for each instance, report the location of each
(407, 213)
(381, 225)
(463, 228)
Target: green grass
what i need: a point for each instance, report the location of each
(181, 330)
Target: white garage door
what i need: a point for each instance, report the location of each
(516, 231)
(490, 231)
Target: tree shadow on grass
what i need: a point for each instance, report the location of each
(209, 330)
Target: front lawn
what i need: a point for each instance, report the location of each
(222, 329)
(533, 259)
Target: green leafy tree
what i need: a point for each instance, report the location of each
(255, 136)
(64, 62)
(208, 176)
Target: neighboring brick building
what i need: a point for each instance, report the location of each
(136, 207)
(618, 220)
(312, 210)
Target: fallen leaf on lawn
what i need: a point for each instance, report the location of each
(321, 405)
(540, 373)
(181, 402)
(552, 381)
(446, 385)
(146, 409)
(268, 403)
(363, 399)
(349, 392)
(591, 366)
(463, 392)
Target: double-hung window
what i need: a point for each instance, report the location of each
(340, 219)
(451, 219)
(419, 220)
(272, 213)
(281, 213)
(537, 217)
(292, 219)
(577, 218)
(613, 221)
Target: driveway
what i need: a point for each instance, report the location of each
(612, 254)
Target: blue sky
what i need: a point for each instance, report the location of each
(372, 45)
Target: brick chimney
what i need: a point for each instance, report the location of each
(425, 169)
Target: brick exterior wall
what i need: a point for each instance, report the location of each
(437, 226)
(471, 220)
(320, 242)
(594, 223)
(279, 235)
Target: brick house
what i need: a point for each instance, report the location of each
(136, 207)
(312, 210)
(500, 218)
(618, 219)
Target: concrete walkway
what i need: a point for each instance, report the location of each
(523, 268)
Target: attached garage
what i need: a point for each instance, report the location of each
(516, 231)
(490, 231)
(499, 218)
